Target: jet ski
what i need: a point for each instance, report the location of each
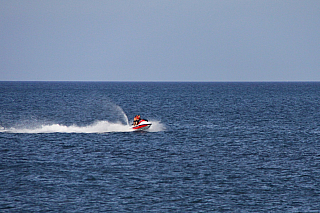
(142, 125)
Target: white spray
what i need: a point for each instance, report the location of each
(102, 126)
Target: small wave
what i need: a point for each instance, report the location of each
(97, 127)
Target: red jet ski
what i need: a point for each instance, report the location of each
(142, 125)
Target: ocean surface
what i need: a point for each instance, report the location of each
(213, 147)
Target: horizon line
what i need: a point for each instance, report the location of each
(120, 81)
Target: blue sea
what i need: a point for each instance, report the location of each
(212, 147)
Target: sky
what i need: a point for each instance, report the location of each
(160, 40)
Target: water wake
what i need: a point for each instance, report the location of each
(109, 118)
(97, 127)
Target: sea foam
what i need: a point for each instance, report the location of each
(97, 127)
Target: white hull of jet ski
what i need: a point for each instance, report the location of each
(142, 126)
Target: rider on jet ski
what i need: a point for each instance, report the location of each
(136, 120)
(140, 124)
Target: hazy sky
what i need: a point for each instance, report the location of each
(165, 40)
